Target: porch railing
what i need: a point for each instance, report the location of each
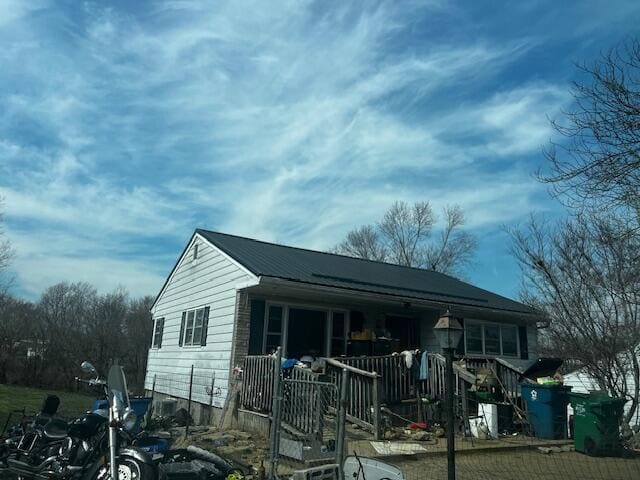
(373, 381)
(257, 383)
(397, 382)
(364, 395)
(508, 378)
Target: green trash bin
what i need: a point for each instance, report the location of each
(596, 423)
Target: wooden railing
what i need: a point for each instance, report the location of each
(508, 378)
(397, 382)
(372, 382)
(435, 384)
(364, 394)
(257, 383)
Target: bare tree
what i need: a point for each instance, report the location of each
(455, 247)
(598, 162)
(405, 229)
(138, 328)
(584, 276)
(6, 253)
(16, 340)
(405, 236)
(363, 242)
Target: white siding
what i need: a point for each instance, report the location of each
(209, 281)
(581, 382)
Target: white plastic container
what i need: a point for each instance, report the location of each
(489, 412)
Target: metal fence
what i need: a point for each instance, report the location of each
(199, 386)
(308, 423)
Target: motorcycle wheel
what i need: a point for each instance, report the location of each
(128, 469)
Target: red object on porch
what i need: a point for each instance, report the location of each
(418, 425)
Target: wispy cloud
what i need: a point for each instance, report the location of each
(122, 128)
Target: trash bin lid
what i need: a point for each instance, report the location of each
(542, 367)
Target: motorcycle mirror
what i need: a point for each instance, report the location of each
(88, 367)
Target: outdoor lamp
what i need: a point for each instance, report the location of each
(448, 331)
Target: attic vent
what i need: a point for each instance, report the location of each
(195, 251)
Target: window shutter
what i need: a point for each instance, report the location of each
(256, 327)
(205, 324)
(161, 326)
(460, 350)
(524, 345)
(184, 318)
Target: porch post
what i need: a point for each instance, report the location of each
(451, 449)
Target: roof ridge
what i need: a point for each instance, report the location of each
(336, 255)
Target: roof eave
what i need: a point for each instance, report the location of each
(460, 309)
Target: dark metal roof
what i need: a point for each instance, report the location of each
(339, 271)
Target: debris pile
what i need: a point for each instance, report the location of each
(244, 449)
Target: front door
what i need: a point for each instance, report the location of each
(405, 330)
(307, 333)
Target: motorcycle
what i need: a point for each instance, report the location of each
(11, 437)
(95, 446)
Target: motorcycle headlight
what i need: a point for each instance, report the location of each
(129, 419)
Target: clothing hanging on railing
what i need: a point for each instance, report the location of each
(424, 366)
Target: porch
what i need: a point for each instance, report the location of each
(348, 326)
(377, 385)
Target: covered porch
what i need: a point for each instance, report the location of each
(309, 321)
(364, 334)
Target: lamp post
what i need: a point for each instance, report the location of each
(449, 332)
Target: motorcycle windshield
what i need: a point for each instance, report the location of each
(117, 384)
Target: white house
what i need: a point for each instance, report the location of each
(228, 297)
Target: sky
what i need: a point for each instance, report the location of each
(126, 125)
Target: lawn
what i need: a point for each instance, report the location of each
(12, 398)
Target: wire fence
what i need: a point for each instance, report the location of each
(199, 387)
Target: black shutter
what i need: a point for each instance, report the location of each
(256, 327)
(524, 345)
(205, 324)
(161, 326)
(460, 350)
(184, 318)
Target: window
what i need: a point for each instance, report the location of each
(509, 341)
(273, 328)
(193, 330)
(157, 333)
(473, 337)
(491, 339)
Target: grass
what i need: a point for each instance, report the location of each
(14, 398)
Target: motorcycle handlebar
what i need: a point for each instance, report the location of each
(93, 382)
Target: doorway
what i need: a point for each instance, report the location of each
(307, 331)
(405, 330)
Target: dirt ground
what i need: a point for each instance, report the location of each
(248, 450)
(521, 465)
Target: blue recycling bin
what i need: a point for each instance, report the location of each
(546, 407)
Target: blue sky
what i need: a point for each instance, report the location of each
(125, 125)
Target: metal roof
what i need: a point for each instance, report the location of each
(339, 271)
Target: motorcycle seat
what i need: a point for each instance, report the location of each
(56, 429)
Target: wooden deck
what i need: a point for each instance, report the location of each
(373, 382)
